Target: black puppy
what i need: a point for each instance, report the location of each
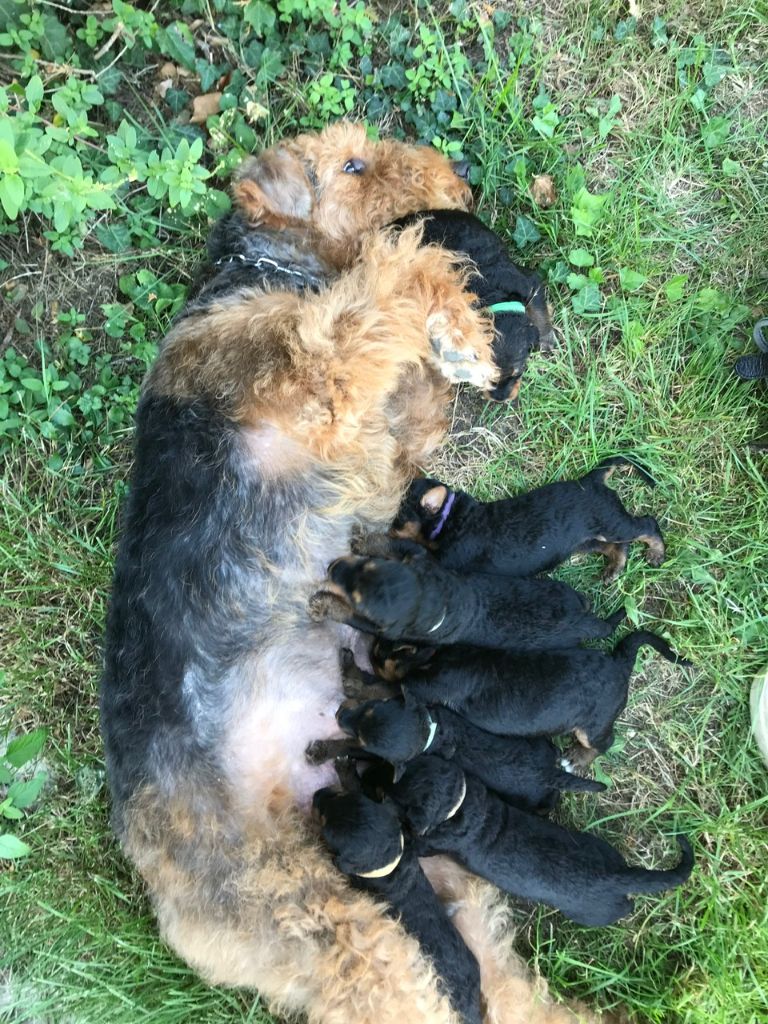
(367, 842)
(522, 770)
(419, 600)
(543, 693)
(583, 876)
(530, 533)
(497, 281)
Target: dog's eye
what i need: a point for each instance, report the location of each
(354, 166)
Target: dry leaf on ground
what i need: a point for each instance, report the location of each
(543, 190)
(204, 107)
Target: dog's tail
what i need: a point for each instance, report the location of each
(568, 781)
(603, 471)
(626, 649)
(640, 880)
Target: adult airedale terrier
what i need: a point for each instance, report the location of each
(288, 405)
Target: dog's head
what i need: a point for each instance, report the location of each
(424, 511)
(430, 792)
(515, 339)
(396, 730)
(342, 184)
(393, 660)
(365, 837)
(386, 594)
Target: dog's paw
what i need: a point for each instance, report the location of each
(318, 753)
(576, 758)
(458, 360)
(656, 554)
(372, 544)
(325, 604)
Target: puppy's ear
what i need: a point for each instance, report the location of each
(273, 189)
(433, 500)
(409, 701)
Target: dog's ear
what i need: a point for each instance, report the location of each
(433, 500)
(409, 701)
(273, 189)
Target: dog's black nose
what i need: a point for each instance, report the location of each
(461, 168)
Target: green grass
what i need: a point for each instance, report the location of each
(645, 371)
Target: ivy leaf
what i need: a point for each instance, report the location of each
(525, 232)
(631, 280)
(25, 748)
(177, 47)
(587, 300)
(546, 122)
(25, 792)
(624, 29)
(259, 16)
(577, 281)
(716, 131)
(586, 211)
(114, 237)
(12, 848)
(674, 289)
(55, 42)
(731, 168)
(581, 258)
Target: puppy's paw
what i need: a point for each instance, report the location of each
(577, 757)
(326, 604)
(456, 357)
(378, 545)
(656, 553)
(318, 753)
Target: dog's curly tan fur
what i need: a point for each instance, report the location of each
(275, 420)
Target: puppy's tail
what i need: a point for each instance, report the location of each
(626, 650)
(603, 471)
(639, 880)
(575, 783)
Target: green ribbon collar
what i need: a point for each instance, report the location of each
(507, 307)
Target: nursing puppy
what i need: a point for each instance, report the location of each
(530, 533)
(497, 280)
(417, 599)
(520, 769)
(367, 843)
(542, 693)
(581, 875)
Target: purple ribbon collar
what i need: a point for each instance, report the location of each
(444, 513)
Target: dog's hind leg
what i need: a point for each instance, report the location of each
(510, 994)
(262, 907)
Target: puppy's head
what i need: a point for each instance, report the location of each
(365, 837)
(343, 184)
(423, 511)
(381, 591)
(395, 730)
(430, 792)
(393, 660)
(515, 339)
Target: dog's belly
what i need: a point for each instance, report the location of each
(290, 694)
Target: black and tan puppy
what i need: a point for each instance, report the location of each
(497, 281)
(542, 693)
(530, 533)
(417, 599)
(367, 843)
(523, 770)
(581, 875)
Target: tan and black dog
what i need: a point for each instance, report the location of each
(289, 404)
